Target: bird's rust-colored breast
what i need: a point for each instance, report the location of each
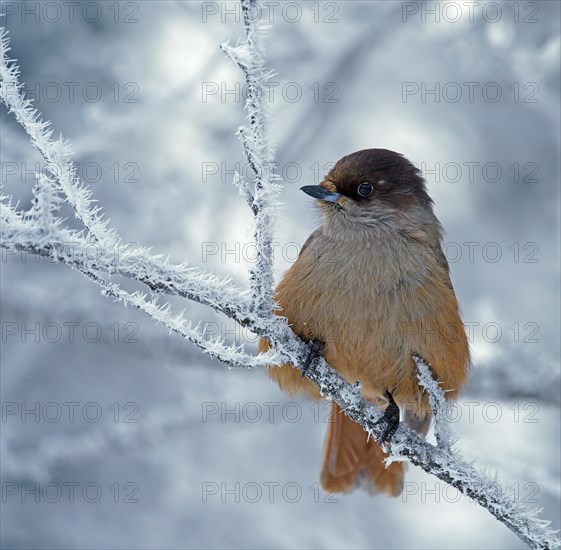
(373, 306)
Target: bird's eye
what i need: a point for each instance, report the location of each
(365, 189)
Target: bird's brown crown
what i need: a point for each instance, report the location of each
(379, 175)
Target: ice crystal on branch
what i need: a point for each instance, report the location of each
(249, 57)
(444, 436)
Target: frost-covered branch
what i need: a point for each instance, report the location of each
(232, 355)
(38, 231)
(444, 436)
(249, 56)
(441, 462)
(19, 234)
(97, 247)
(56, 153)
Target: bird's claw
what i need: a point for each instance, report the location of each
(390, 419)
(315, 351)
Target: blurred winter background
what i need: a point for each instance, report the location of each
(166, 449)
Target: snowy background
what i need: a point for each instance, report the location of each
(165, 448)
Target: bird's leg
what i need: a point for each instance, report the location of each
(315, 351)
(390, 419)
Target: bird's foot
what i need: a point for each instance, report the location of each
(390, 419)
(315, 351)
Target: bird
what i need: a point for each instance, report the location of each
(371, 287)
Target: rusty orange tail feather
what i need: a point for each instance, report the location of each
(350, 460)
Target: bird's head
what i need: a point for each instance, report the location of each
(373, 187)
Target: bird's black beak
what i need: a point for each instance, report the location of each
(319, 192)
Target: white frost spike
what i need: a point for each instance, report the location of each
(249, 57)
(243, 187)
(215, 348)
(55, 153)
(46, 202)
(444, 436)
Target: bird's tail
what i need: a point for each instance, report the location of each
(352, 461)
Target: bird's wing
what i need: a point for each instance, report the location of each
(311, 240)
(442, 261)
